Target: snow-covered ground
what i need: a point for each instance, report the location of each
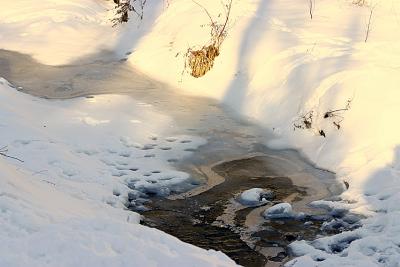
(64, 205)
(275, 64)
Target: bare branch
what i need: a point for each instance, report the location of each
(208, 14)
(305, 121)
(124, 7)
(228, 7)
(200, 61)
(3, 152)
(369, 24)
(337, 114)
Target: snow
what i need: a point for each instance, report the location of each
(255, 196)
(75, 30)
(279, 211)
(275, 64)
(65, 204)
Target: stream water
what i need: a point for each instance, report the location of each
(233, 160)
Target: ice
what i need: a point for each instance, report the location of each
(65, 205)
(255, 196)
(279, 211)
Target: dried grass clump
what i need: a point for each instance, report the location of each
(200, 61)
(360, 2)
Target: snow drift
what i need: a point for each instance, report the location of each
(276, 65)
(65, 204)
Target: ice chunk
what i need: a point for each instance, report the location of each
(279, 211)
(255, 196)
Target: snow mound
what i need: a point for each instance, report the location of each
(279, 211)
(255, 196)
(83, 161)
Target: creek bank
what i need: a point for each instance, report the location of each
(215, 218)
(233, 160)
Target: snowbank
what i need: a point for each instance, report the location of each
(276, 65)
(59, 32)
(65, 204)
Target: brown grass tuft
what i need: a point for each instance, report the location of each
(201, 61)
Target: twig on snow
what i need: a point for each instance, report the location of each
(369, 24)
(3, 152)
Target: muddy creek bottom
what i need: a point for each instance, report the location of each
(215, 220)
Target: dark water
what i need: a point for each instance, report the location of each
(196, 219)
(193, 219)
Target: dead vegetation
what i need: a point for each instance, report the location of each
(200, 61)
(305, 121)
(4, 151)
(336, 116)
(368, 28)
(360, 2)
(124, 7)
(311, 5)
